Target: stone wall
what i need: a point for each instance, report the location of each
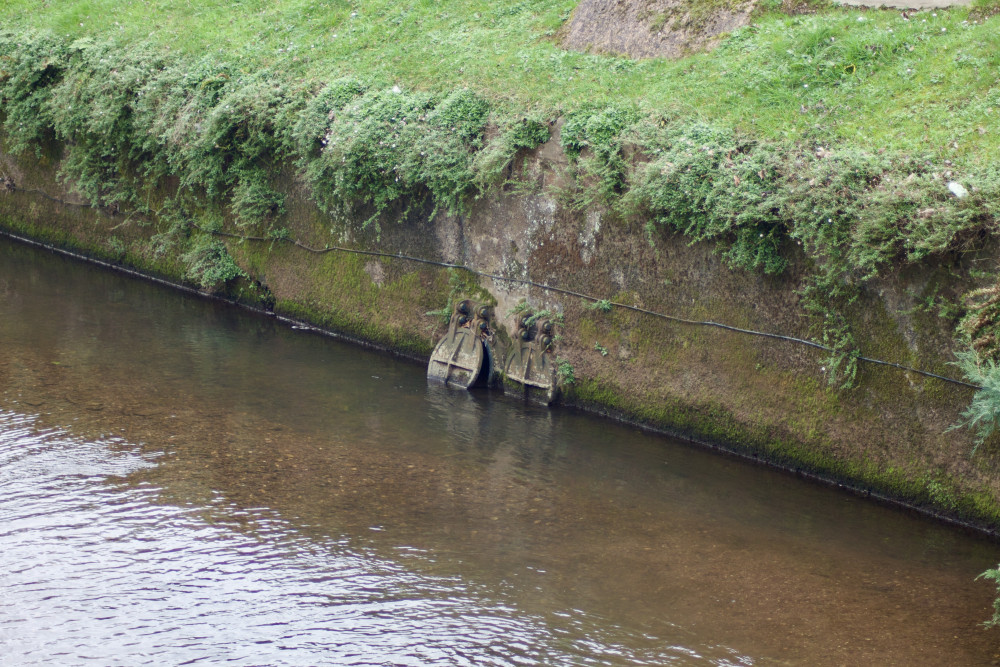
(756, 396)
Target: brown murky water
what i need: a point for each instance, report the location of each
(182, 482)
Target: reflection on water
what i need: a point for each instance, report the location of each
(101, 571)
(183, 482)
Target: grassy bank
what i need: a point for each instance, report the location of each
(868, 78)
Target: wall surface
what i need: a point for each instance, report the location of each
(757, 396)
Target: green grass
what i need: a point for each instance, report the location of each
(865, 78)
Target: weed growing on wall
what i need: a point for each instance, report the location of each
(130, 117)
(601, 305)
(31, 65)
(565, 373)
(210, 264)
(516, 134)
(593, 138)
(993, 575)
(455, 292)
(387, 148)
(982, 416)
(712, 186)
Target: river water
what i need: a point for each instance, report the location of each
(183, 482)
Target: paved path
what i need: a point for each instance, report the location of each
(907, 4)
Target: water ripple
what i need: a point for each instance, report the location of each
(97, 571)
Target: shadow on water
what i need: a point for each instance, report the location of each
(287, 499)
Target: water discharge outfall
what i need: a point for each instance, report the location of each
(183, 481)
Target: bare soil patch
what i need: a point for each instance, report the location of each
(653, 28)
(675, 28)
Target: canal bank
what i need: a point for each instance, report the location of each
(760, 397)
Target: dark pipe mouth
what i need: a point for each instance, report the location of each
(486, 371)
